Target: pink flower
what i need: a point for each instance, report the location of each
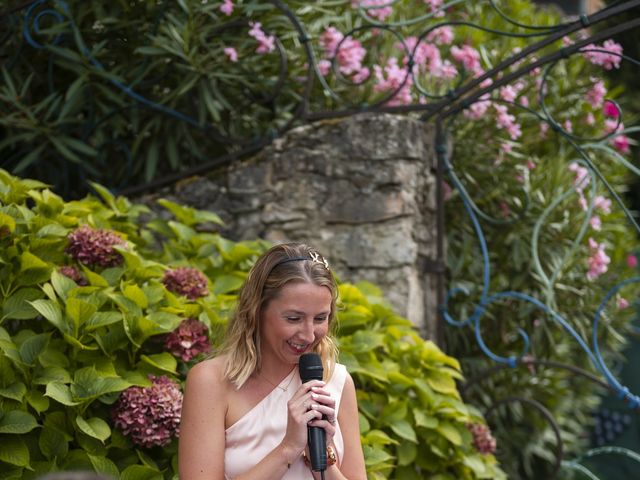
(620, 143)
(441, 35)
(582, 178)
(531, 164)
(568, 126)
(596, 93)
(506, 121)
(150, 416)
(186, 281)
(622, 303)
(231, 54)
(590, 119)
(610, 109)
(227, 7)
(74, 274)
(188, 340)
(392, 81)
(436, 7)
(374, 8)
(598, 261)
(508, 93)
(94, 246)
(608, 55)
(468, 57)
(524, 101)
(603, 204)
(483, 441)
(478, 109)
(632, 261)
(595, 223)
(349, 55)
(266, 43)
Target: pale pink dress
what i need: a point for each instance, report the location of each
(261, 429)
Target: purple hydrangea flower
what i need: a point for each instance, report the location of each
(150, 416)
(484, 442)
(188, 340)
(92, 246)
(186, 281)
(74, 274)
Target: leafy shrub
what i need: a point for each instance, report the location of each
(90, 373)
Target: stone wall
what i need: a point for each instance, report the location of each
(361, 190)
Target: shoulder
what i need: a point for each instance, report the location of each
(208, 375)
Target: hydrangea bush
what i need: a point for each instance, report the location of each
(102, 316)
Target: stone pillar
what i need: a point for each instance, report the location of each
(361, 190)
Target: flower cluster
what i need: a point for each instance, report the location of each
(608, 55)
(74, 274)
(598, 261)
(227, 7)
(188, 340)
(91, 246)
(150, 416)
(348, 56)
(186, 281)
(266, 43)
(484, 442)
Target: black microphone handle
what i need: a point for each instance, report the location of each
(317, 448)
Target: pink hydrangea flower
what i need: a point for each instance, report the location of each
(266, 43)
(598, 260)
(186, 281)
(483, 440)
(227, 7)
(632, 261)
(74, 274)
(231, 54)
(188, 340)
(607, 56)
(91, 246)
(150, 416)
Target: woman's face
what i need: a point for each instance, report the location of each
(294, 322)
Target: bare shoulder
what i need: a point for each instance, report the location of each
(208, 375)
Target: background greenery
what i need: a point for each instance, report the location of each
(69, 350)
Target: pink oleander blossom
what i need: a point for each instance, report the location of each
(582, 178)
(227, 7)
(607, 54)
(595, 223)
(186, 281)
(478, 109)
(150, 416)
(374, 8)
(598, 260)
(349, 54)
(74, 274)
(468, 57)
(266, 43)
(231, 54)
(506, 121)
(483, 440)
(602, 204)
(595, 95)
(621, 143)
(92, 246)
(622, 303)
(189, 340)
(610, 109)
(390, 78)
(441, 35)
(632, 261)
(436, 7)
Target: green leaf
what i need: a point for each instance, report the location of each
(441, 382)
(32, 347)
(79, 311)
(28, 261)
(52, 312)
(451, 433)
(14, 451)
(60, 393)
(135, 293)
(88, 384)
(475, 463)
(140, 472)
(102, 319)
(163, 361)
(94, 427)
(407, 453)
(62, 284)
(403, 429)
(51, 374)
(423, 420)
(104, 465)
(37, 401)
(226, 283)
(17, 305)
(375, 455)
(15, 391)
(17, 422)
(52, 442)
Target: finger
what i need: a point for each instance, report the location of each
(329, 412)
(324, 399)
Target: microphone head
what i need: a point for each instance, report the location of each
(310, 366)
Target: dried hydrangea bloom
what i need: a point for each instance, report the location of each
(186, 281)
(93, 246)
(74, 274)
(150, 416)
(188, 340)
(484, 442)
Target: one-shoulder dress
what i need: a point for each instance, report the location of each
(261, 429)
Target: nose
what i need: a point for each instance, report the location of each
(306, 333)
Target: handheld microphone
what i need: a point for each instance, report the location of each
(311, 369)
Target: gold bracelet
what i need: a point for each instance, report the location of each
(332, 457)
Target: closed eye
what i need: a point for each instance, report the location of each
(293, 319)
(321, 319)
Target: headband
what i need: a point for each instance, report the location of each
(315, 258)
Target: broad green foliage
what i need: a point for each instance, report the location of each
(68, 351)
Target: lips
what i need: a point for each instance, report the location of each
(298, 348)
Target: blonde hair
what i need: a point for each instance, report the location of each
(280, 265)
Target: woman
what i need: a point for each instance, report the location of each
(245, 412)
